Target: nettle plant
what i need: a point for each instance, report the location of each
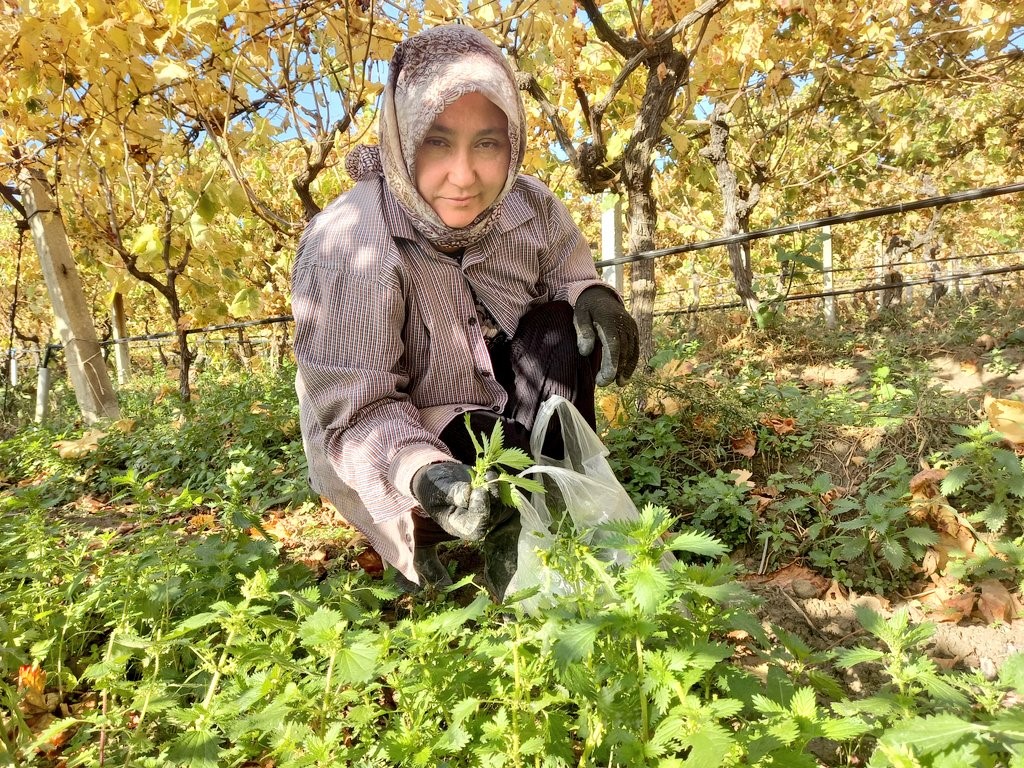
(986, 479)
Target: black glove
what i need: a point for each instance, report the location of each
(445, 493)
(600, 314)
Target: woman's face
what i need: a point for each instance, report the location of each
(462, 164)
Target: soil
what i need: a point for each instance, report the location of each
(825, 618)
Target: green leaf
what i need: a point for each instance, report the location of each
(1012, 672)
(845, 729)
(698, 543)
(245, 303)
(649, 585)
(576, 641)
(322, 628)
(802, 704)
(196, 749)
(859, 655)
(923, 536)
(709, 746)
(928, 735)
(954, 482)
(356, 663)
(894, 554)
(514, 458)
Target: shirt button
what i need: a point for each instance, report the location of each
(472, 321)
(458, 409)
(495, 408)
(485, 373)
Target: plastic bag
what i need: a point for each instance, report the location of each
(589, 490)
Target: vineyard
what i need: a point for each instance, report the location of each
(813, 212)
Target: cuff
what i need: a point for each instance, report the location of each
(410, 459)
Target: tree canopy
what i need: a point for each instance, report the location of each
(188, 143)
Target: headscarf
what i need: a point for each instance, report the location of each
(429, 72)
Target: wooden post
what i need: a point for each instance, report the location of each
(611, 244)
(827, 276)
(89, 377)
(119, 329)
(42, 394)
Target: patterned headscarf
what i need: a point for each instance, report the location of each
(429, 72)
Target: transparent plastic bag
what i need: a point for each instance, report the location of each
(582, 482)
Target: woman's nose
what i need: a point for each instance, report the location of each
(461, 171)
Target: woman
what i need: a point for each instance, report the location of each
(443, 283)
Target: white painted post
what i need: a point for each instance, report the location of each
(42, 394)
(954, 268)
(826, 274)
(880, 274)
(12, 368)
(119, 328)
(85, 364)
(611, 244)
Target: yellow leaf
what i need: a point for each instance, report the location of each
(1006, 417)
(168, 72)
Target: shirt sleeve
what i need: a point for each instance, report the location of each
(348, 348)
(569, 267)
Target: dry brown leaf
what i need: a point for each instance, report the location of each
(779, 425)
(955, 609)
(202, 522)
(834, 592)
(370, 562)
(32, 686)
(925, 484)
(742, 477)
(745, 444)
(1006, 417)
(705, 424)
(787, 575)
(83, 446)
(995, 603)
(675, 369)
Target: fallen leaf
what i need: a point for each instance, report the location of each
(370, 562)
(925, 484)
(742, 477)
(779, 425)
(613, 410)
(202, 522)
(835, 592)
(705, 424)
(675, 369)
(995, 603)
(32, 686)
(787, 575)
(83, 446)
(1006, 417)
(745, 444)
(955, 609)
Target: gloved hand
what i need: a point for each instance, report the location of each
(445, 493)
(600, 314)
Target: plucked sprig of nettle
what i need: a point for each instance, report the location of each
(498, 466)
